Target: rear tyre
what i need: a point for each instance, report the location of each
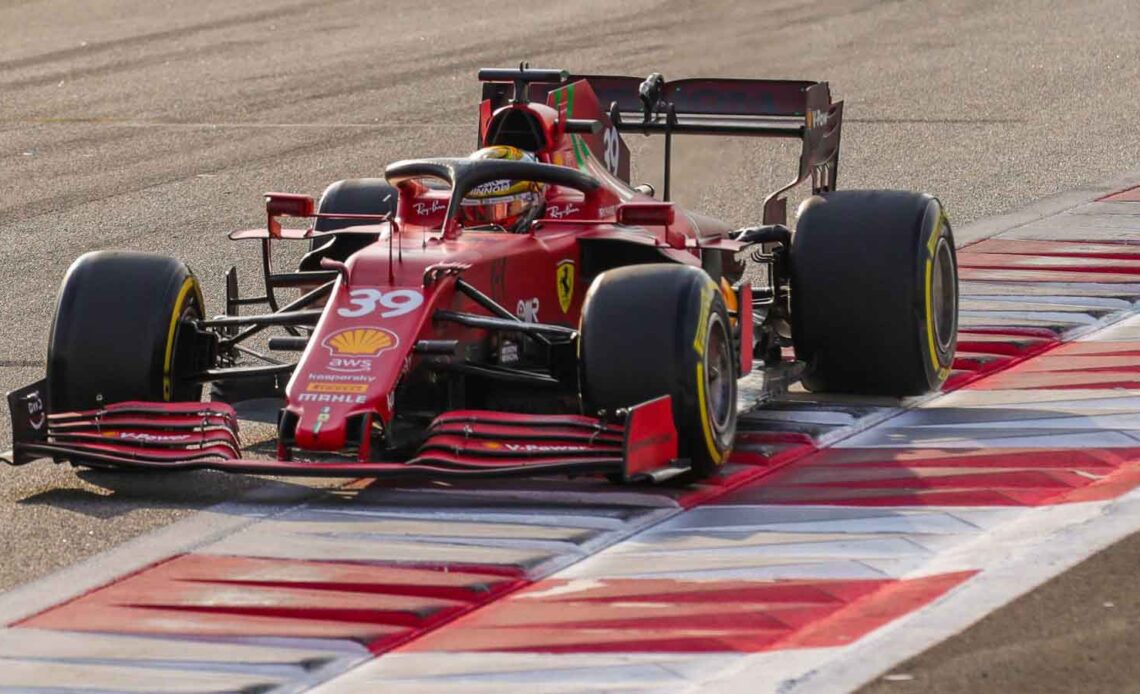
(659, 329)
(351, 196)
(874, 287)
(119, 322)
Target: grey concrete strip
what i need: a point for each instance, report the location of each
(1074, 200)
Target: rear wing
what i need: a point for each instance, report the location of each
(706, 106)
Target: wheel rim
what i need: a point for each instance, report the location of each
(944, 296)
(718, 375)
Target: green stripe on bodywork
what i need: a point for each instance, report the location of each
(576, 143)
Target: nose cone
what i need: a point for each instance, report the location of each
(321, 426)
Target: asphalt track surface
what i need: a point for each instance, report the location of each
(130, 124)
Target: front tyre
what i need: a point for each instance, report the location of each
(874, 293)
(350, 196)
(661, 329)
(120, 332)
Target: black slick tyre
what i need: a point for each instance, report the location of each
(874, 293)
(118, 323)
(350, 196)
(660, 329)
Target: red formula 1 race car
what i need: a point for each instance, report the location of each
(523, 310)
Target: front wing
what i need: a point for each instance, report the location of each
(640, 446)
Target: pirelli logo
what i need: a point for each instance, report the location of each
(337, 387)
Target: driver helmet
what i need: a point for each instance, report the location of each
(504, 202)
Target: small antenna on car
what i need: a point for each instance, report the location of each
(391, 270)
(522, 91)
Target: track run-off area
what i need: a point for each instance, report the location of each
(845, 537)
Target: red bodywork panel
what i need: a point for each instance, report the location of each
(364, 343)
(383, 303)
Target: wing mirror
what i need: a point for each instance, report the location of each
(287, 205)
(656, 214)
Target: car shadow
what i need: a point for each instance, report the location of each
(106, 493)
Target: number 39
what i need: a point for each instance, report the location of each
(397, 302)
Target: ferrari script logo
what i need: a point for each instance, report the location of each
(360, 342)
(564, 280)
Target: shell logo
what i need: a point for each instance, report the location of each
(360, 342)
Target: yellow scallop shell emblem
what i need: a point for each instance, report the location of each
(360, 342)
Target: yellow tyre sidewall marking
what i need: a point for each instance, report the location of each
(699, 347)
(190, 285)
(931, 245)
(699, 339)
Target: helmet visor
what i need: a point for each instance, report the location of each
(501, 211)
